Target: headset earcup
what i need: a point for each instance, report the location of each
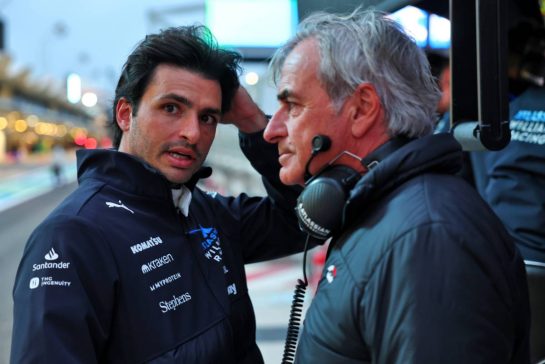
(320, 205)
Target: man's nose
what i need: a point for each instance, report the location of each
(275, 128)
(190, 128)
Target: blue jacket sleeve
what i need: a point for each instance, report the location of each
(63, 295)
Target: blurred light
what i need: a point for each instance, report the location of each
(3, 123)
(44, 128)
(74, 132)
(91, 143)
(38, 128)
(79, 135)
(20, 125)
(106, 142)
(30, 138)
(61, 131)
(271, 22)
(73, 88)
(89, 99)
(251, 78)
(32, 120)
(415, 22)
(80, 140)
(428, 30)
(439, 32)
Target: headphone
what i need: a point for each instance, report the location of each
(320, 206)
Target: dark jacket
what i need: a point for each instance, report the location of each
(117, 275)
(512, 180)
(423, 272)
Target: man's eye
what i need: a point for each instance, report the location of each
(289, 105)
(209, 119)
(170, 108)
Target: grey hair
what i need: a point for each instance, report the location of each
(367, 46)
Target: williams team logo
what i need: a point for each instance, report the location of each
(210, 243)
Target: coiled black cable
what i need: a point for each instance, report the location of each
(292, 335)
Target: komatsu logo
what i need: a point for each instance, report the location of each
(150, 243)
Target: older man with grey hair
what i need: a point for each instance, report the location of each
(419, 269)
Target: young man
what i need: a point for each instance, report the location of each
(419, 269)
(139, 265)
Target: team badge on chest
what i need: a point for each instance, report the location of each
(210, 243)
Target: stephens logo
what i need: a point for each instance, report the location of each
(157, 263)
(174, 303)
(150, 243)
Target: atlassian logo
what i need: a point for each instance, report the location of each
(211, 243)
(150, 243)
(156, 263)
(314, 227)
(52, 255)
(173, 304)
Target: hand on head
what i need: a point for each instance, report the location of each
(244, 113)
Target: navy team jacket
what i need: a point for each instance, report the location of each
(117, 275)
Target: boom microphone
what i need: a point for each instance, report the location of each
(320, 143)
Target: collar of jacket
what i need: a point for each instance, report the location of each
(438, 153)
(129, 173)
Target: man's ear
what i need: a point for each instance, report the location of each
(367, 110)
(123, 113)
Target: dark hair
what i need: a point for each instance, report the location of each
(193, 48)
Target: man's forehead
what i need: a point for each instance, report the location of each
(302, 55)
(300, 67)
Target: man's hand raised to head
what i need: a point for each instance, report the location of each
(245, 114)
